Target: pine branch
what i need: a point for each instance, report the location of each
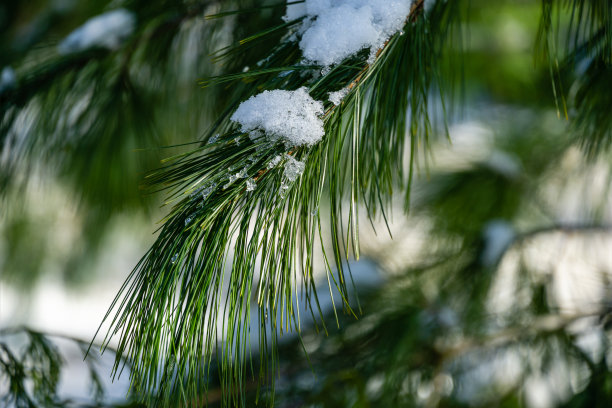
(235, 210)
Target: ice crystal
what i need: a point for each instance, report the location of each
(274, 162)
(236, 176)
(208, 190)
(337, 97)
(293, 168)
(251, 185)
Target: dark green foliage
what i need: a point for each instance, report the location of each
(592, 119)
(576, 37)
(31, 25)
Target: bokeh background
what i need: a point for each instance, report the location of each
(494, 290)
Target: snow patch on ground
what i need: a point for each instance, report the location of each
(290, 116)
(336, 29)
(106, 30)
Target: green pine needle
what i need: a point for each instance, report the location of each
(225, 253)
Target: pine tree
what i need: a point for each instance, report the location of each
(303, 134)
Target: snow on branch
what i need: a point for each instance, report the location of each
(290, 116)
(336, 29)
(107, 30)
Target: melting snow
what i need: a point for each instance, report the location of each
(251, 185)
(293, 168)
(338, 96)
(107, 30)
(274, 162)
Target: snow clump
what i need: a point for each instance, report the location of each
(336, 29)
(290, 116)
(106, 30)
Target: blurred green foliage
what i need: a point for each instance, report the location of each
(96, 121)
(31, 366)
